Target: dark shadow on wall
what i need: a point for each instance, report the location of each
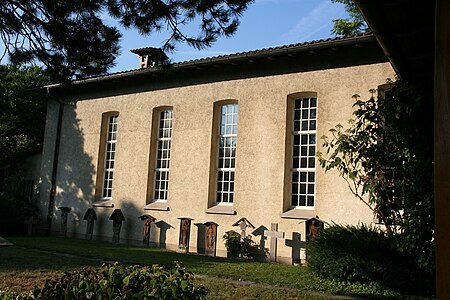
(75, 188)
(163, 227)
(296, 244)
(133, 229)
(262, 241)
(74, 170)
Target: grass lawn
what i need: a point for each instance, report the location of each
(34, 259)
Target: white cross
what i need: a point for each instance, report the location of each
(274, 234)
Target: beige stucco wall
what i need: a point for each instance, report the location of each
(259, 164)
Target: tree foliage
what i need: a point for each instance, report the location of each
(352, 25)
(22, 110)
(73, 39)
(386, 157)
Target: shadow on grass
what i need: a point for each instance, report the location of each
(88, 250)
(34, 254)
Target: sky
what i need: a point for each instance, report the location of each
(265, 24)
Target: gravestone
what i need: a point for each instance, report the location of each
(185, 233)
(148, 220)
(210, 238)
(117, 217)
(274, 234)
(64, 212)
(243, 223)
(32, 220)
(90, 216)
(296, 244)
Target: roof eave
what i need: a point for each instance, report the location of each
(228, 59)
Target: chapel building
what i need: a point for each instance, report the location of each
(175, 155)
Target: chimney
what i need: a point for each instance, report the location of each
(150, 57)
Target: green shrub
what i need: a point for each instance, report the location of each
(11, 295)
(122, 282)
(14, 210)
(362, 254)
(9, 212)
(244, 248)
(233, 243)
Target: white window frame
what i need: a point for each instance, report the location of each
(304, 148)
(109, 161)
(162, 159)
(226, 156)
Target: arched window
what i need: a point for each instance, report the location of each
(107, 156)
(223, 157)
(159, 162)
(301, 147)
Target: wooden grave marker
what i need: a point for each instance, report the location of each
(243, 223)
(64, 212)
(185, 234)
(210, 238)
(90, 216)
(148, 220)
(117, 217)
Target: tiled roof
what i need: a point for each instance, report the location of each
(235, 57)
(310, 44)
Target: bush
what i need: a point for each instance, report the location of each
(362, 254)
(235, 247)
(13, 212)
(122, 282)
(11, 295)
(244, 248)
(9, 212)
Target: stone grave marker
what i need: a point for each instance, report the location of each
(274, 234)
(32, 220)
(185, 233)
(148, 220)
(90, 216)
(64, 212)
(117, 217)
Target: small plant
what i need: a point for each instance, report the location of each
(11, 295)
(245, 248)
(115, 281)
(233, 244)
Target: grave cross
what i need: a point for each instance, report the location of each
(296, 244)
(243, 223)
(273, 233)
(32, 220)
(64, 212)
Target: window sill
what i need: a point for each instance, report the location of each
(221, 210)
(298, 213)
(157, 206)
(103, 203)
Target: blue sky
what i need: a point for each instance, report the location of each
(266, 23)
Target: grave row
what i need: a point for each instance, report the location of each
(313, 227)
